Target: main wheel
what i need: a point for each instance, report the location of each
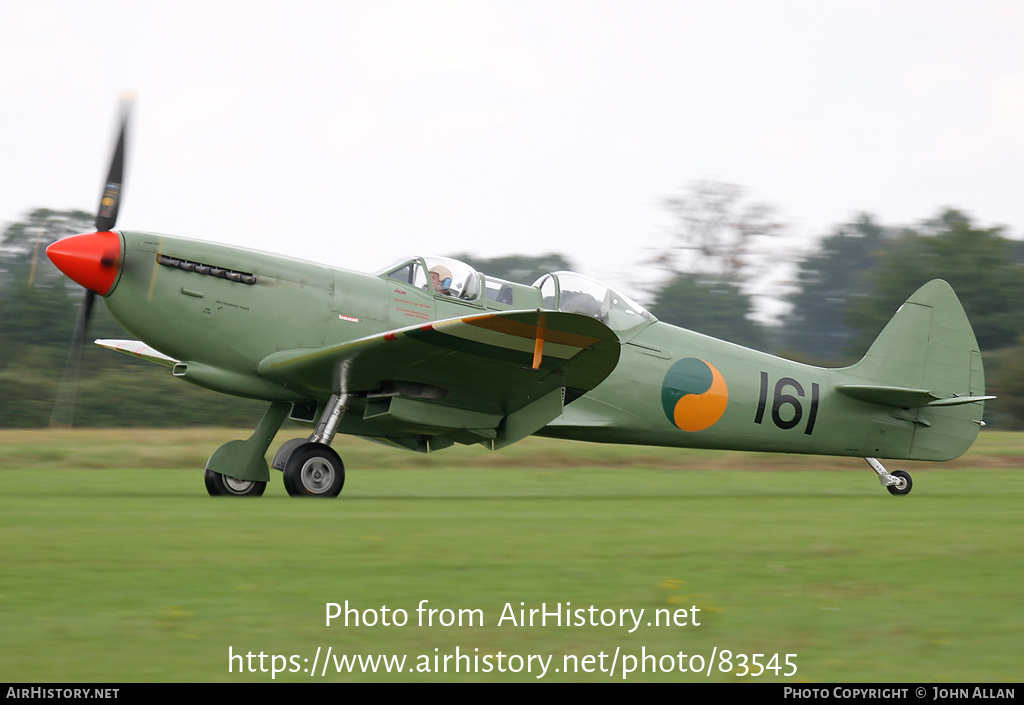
(224, 485)
(314, 470)
(903, 483)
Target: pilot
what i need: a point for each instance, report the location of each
(441, 279)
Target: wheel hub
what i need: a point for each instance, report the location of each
(316, 475)
(236, 485)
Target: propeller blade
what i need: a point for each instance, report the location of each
(35, 256)
(110, 201)
(63, 413)
(92, 260)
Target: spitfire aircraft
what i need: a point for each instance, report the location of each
(428, 352)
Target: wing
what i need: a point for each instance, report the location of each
(494, 377)
(138, 349)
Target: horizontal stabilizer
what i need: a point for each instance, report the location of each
(904, 397)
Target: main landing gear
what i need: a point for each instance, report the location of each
(312, 470)
(897, 482)
(310, 466)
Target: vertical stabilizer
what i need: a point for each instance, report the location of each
(926, 364)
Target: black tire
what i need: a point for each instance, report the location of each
(223, 486)
(904, 486)
(314, 470)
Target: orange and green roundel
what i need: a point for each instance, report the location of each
(694, 394)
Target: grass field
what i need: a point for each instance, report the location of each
(116, 566)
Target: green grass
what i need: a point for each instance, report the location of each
(116, 566)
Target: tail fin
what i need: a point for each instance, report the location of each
(926, 365)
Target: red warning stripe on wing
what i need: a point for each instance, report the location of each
(527, 330)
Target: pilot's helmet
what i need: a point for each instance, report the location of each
(444, 276)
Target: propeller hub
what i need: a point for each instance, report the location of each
(91, 259)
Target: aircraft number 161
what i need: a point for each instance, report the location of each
(782, 398)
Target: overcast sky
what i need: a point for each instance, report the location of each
(357, 132)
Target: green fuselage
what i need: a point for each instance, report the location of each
(773, 404)
(221, 310)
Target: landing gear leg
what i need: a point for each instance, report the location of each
(239, 468)
(898, 482)
(312, 468)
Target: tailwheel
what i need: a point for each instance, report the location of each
(225, 486)
(902, 483)
(314, 470)
(898, 482)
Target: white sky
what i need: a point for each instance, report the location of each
(356, 132)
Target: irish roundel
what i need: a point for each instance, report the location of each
(694, 394)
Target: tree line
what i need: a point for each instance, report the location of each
(838, 297)
(843, 292)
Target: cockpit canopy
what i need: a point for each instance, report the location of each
(455, 279)
(447, 278)
(575, 293)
